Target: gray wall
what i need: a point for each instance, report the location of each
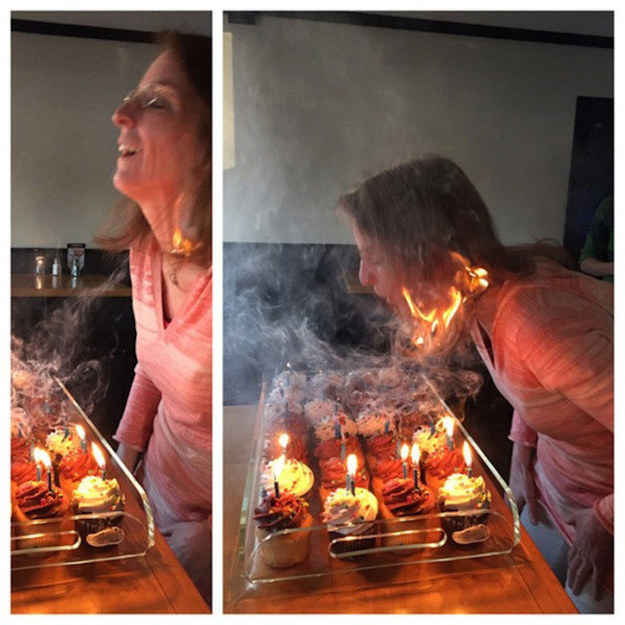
(63, 144)
(319, 105)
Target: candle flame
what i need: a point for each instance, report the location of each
(80, 430)
(448, 423)
(404, 452)
(98, 455)
(415, 454)
(277, 465)
(352, 464)
(466, 452)
(283, 440)
(41, 455)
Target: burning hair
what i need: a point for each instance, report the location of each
(195, 55)
(420, 211)
(430, 224)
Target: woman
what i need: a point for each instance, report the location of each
(164, 170)
(428, 245)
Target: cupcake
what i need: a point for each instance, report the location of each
(60, 441)
(387, 469)
(73, 467)
(333, 475)
(340, 448)
(94, 496)
(316, 410)
(20, 449)
(277, 548)
(23, 471)
(33, 501)
(286, 416)
(296, 448)
(380, 447)
(349, 519)
(36, 501)
(429, 440)
(441, 464)
(400, 500)
(461, 493)
(295, 478)
(335, 425)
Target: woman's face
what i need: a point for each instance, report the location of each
(378, 272)
(160, 141)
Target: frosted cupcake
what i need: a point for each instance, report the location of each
(94, 496)
(335, 425)
(461, 493)
(295, 478)
(60, 441)
(429, 440)
(349, 517)
(73, 467)
(333, 475)
(34, 501)
(400, 499)
(272, 516)
(340, 448)
(441, 464)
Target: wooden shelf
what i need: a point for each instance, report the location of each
(92, 285)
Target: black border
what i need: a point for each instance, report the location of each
(86, 32)
(426, 25)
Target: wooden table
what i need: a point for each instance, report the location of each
(518, 582)
(155, 584)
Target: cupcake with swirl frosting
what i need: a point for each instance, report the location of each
(467, 496)
(294, 478)
(277, 547)
(333, 475)
(441, 464)
(399, 501)
(94, 496)
(73, 467)
(349, 519)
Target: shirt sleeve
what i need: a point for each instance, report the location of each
(135, 426)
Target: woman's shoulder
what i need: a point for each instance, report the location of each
(553, 297)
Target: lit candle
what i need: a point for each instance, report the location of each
(80, 430)
(99, 458)
(352, 465)
(283, 441)
(37, 458)
(45, 460)
(276, 466)
(466, 452)
(449, 428)
(404, 457)
(415, 454)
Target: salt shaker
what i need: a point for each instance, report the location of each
(56, 267)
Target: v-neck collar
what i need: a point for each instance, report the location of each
(165, 326)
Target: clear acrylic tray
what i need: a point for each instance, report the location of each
(401, 543)
(58, 542)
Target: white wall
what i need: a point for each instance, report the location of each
(319, 105)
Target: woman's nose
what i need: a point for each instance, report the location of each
(365, 275)
(122, 116)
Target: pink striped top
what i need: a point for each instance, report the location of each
(168, 413)
(552, 341)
